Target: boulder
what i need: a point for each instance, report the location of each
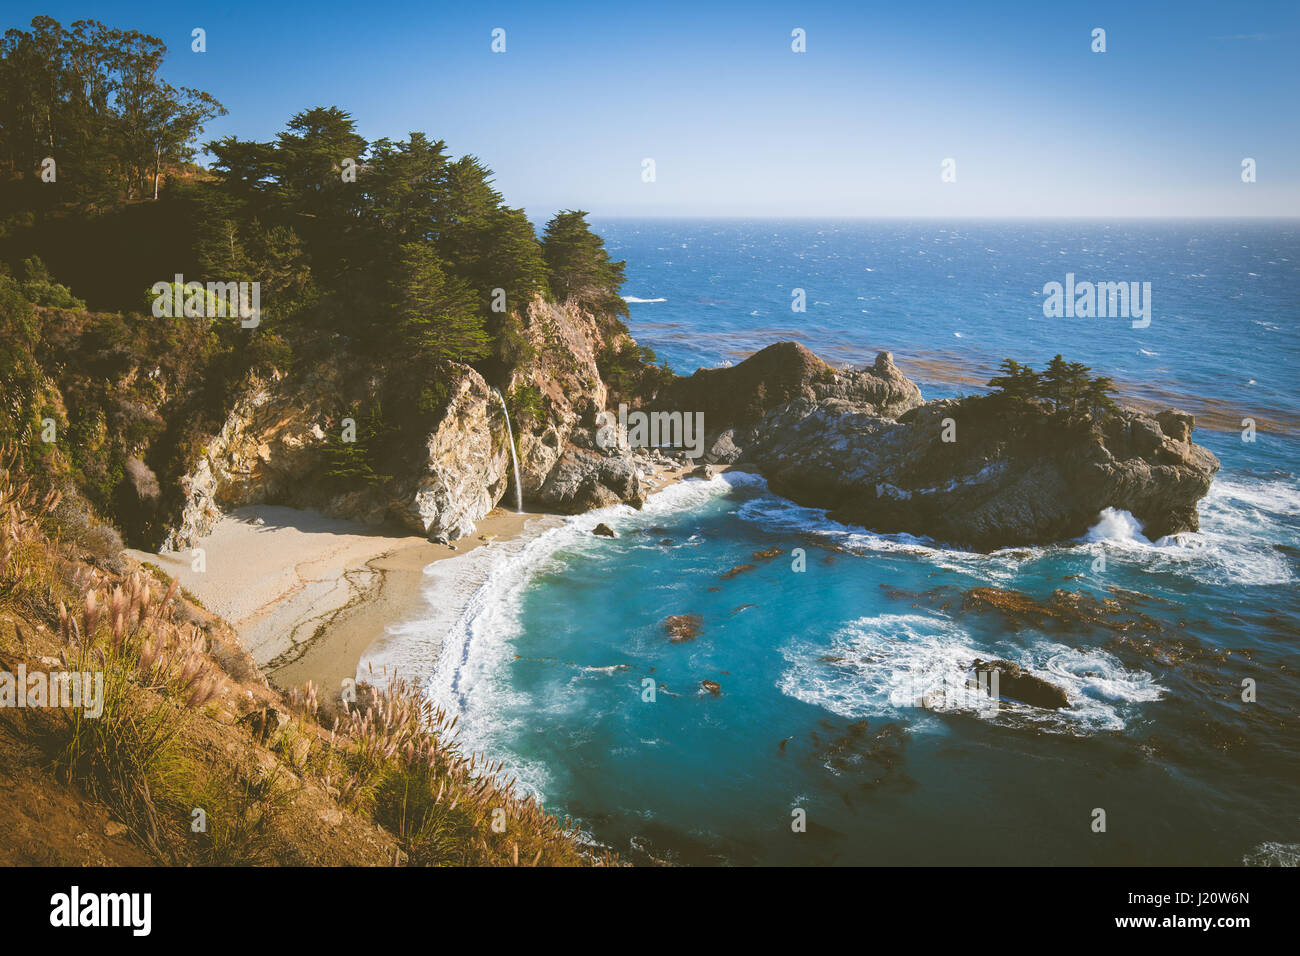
(603, 530)
(583, 480)
(1177, 425)
(1016, 683)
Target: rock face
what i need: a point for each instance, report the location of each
(861, 443)
(847, 448)
(735, 401)
(463, 469)
(270, 450)
(562, 466)
(271, 447)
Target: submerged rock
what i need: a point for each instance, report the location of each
(738, 569)
(682, 627)
(1016, 683)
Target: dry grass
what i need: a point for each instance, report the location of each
(394, 761)
(397, 760)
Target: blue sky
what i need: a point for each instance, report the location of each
(739, 125)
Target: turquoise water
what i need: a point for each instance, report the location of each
(547, 645)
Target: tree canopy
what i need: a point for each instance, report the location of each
(1067, 388)
(394, 251)
(91, 99)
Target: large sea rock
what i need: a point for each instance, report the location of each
(863, 445)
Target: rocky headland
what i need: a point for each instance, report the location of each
(863, 444)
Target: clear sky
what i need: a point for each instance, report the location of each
(739, 125)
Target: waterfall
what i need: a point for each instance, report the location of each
(514, 460)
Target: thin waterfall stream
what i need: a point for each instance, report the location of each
(514, 460)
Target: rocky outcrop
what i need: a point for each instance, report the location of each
(1012, 682)
(261, 452)
(955, 470)
(463, 469)
(735, 400)
(861, 443)
(272, 446)
(562, 466)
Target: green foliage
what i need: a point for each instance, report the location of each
(629, 369)
(40, 288)
(91, 98)
(437, 319)
(354, 463)
(525, 404)
(21, 377)
(580, 269)
(1067, 388)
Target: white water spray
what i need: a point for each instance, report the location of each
(519, 493)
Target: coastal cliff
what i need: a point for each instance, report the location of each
(445, 471)
(861, 443)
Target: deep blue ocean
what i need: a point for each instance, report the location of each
(546, 645)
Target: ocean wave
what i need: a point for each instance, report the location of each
(1273, 854)
(1275, 497)
(1235, 544)
(891, 665)
(634, 299)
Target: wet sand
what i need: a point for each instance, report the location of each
(306, 593)
(394, 592)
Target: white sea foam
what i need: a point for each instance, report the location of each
(634, 299)
(888, 665)
(1273, 854)
(1116, 526)
(474, 603)
(1235, 545)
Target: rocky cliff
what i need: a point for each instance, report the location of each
(863, 445)
(272, 448)
(275, 442)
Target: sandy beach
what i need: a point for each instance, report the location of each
(309, 594)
